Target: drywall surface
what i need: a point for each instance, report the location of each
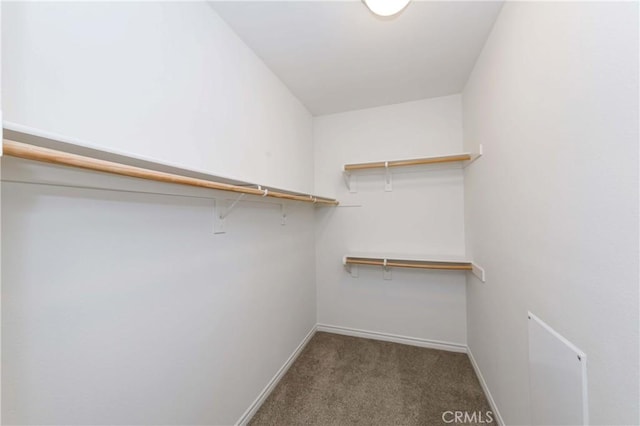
(422, 215)
(552, 207)
(125, 308)
(168, 81)
(0, 217)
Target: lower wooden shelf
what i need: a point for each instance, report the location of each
(402, 263)
(412, 261)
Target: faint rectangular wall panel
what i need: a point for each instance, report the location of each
(557, 377)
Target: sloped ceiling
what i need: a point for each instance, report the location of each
(338, 56)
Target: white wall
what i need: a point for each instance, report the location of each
(124, 308)
(552, 207)
(169, 81)
(0, 216)
(422, 215)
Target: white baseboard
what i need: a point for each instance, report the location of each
(485, 388)
(253, 408)
(387, 337)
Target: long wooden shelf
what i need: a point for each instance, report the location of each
(47, 155)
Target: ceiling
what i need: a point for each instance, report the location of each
(337, 56)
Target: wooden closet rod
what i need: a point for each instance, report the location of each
(401, 264)
(32, 152)
(413, 162)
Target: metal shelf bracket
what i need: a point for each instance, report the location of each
(386, 271)
(387, 177)
(478, 271)
(231, 206)
(350, 181)
(220, 212)
(352, 269)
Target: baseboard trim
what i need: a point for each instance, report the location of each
(485, 388)
(387, 337)
(253, 408)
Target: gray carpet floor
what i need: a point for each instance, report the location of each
(342, 380)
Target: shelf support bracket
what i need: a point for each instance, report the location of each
(474, 157)
(283, 212)
(478, 271)
(352, 269)
(387, 177)
(386, 271)
(218, 221)
(350, 181)
(220, 212)
(230, 208)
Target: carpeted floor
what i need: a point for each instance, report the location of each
(341, 380)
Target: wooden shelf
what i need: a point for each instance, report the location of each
(411, 162)
(463, 159)
(44, 149)
(387, 261)
(397, 261)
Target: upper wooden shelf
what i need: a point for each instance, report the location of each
(464, 159)
(411, 162)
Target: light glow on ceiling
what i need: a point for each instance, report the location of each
(386, 7)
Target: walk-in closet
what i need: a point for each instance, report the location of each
(320, 212)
